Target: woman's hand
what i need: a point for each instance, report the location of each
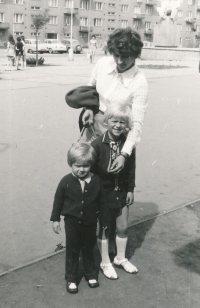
(129, 198)
(117, 165)
(56, 227)
(88, 118)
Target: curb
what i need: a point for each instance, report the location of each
(61, 251)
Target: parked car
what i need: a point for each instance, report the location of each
(54, 46)
(77, 48)
(31, 46)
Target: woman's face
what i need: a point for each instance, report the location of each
(124, 62)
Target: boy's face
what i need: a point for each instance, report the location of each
(81, 170)
(116, 127)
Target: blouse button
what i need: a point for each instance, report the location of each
(81, 213)
(82, 202)
(117, 198)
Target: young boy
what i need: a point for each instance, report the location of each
(79, 198)
(118, 187)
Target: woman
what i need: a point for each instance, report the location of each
(119, 80)
(10, 52)
(93, 48)
(19, 51)
(24, 52)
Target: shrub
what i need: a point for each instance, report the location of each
(32, 61)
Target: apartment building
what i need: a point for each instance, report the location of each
(87, 17)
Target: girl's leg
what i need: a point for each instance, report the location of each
(121, 242)
(17, 62)
(105, 265)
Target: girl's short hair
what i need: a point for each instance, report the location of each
(81, 153)
(125, 42)
(19, 39)
(120, 111)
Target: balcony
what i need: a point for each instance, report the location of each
(151, 2)
(138, 16)
(148, 32)
(139, 1)
(189, 20)
(68, 11)
(85, 29)
(4, 25)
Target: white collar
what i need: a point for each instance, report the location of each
(87, 179)
(126, 76)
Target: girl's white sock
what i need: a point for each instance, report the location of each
(121, 247)
(103, 248)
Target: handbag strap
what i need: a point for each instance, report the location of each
(82, 132)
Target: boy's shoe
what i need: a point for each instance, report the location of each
(108, 271)
(93, 283)
(125, 265)
(72, 288)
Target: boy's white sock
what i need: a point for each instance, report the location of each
(103, 248)
(121, 247)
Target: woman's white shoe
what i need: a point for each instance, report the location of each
(126, 265)
(108, 271)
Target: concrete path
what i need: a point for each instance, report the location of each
(166, 251)
(37, 128)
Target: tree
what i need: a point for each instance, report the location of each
(38, 22)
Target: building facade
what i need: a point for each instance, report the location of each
(87, 17)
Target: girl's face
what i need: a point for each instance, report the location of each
(116, 127)
(81, 170)
(124, 63)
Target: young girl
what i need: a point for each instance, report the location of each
(10, 52)
(79, 198)
(119, 187)
(93, 48)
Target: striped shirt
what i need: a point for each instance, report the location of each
(129, 87)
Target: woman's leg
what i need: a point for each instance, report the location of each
(17, 62)
(121, 242)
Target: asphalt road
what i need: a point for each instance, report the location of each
(37, 128)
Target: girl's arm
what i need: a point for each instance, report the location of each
(58, 202)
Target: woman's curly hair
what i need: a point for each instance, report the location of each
(125, 42)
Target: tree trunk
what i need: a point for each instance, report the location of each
(36, 47)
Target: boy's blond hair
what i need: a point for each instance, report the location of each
(81, 153)
(120, 111)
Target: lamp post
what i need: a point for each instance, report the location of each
(71, 54)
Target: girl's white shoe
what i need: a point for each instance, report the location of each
(108, 271)
(126, 265)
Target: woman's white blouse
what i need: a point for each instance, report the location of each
(129, 88)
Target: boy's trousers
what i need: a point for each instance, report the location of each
(79, 237)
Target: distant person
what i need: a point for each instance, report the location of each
(105, 48)
(24, 52)
(79, 198)
(11, 54)
(92, 48)
(19, 51)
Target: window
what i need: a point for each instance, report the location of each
(84, 5)
(18, 33)
(2, 1)
(188, 28)
(147, 25)
(125, 8)
(1, 32)
(198, 28)
(111, 13)
(53, 20)
(53, 3)
(149, 10)
(198, 15)
(97, 22)
(18, 18)
(35, 8)
(1, 17)
(34, 34)
(124, 23)
(68, 20)
(98, 35)
(136, 24)
(189, 14)
(112, 4)
(83, 34)
(137, 9)
(111, 20)
(99, 6)
(180, 14)
(111, 29)
(190, 2)
(83, 21)
(180, 27)
(18, 1)
(69, 4)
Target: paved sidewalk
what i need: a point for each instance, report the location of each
(166, 251)
(37, 128)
